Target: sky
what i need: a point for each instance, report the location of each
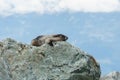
(91, 25)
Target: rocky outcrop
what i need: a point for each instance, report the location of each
(111, 76)
(61, 62)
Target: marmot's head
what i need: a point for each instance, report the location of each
(63, 37)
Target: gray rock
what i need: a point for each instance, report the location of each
(61, 62)
(112, 76)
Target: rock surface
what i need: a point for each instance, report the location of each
(62, 62)
(111, 76)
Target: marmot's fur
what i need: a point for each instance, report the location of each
(49, 39)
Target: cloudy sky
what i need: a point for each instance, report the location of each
(91, 25)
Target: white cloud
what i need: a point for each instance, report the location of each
(91, 5)
(8, 7)
(104, 34)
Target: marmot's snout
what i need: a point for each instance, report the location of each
(66, 38)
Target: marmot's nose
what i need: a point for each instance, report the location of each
(66, 38)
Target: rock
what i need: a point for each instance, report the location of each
(61, 62)
(112, 76)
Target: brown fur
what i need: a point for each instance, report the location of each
(49, 39)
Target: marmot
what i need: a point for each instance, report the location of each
(49, 39)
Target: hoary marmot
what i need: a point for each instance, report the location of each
(49, 39)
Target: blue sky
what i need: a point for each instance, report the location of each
(91, 25)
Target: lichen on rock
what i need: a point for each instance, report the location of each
(63, 61)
